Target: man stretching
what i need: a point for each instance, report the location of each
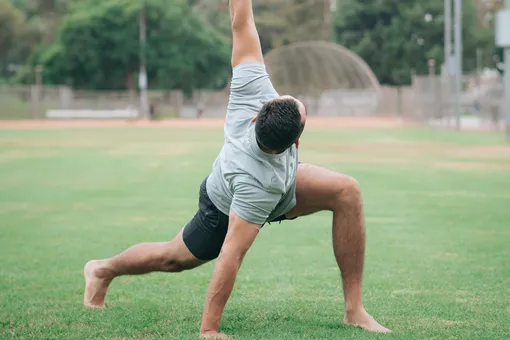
(255, 179)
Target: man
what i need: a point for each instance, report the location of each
(255, 179)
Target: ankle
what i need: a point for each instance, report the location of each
(104, 270)
(353, 309)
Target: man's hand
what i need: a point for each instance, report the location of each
(240, 237)
(246, 41)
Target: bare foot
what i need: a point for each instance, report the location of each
(214, 335)
(363, 320)
(95, 286)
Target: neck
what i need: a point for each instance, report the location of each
(266, 150)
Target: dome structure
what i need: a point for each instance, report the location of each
(314, 67)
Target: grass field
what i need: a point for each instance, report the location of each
(438, 223)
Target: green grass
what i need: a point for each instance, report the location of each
(437, 208)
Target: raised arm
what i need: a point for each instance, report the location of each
(246, 41)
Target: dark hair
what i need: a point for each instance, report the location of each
(278, 125)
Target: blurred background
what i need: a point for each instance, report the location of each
(155, 59)
(386, 108)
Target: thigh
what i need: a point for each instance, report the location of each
(317, 189)
(205, 233)
(180, 255)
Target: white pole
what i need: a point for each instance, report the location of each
(507, 91)
(142, 81)
(447, 30)
(38, 84)
(507, 82)
(447, 55)
(458, 59)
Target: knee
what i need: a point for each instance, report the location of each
(170, 261)
(347, 191)
(173, 266)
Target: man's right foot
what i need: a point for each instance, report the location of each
(95, 286)
(363, 320)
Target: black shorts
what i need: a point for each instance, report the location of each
(205, 233)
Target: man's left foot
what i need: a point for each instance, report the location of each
(95, 286)
(363, 320)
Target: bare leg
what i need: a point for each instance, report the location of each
(322, 189)
(139, 259)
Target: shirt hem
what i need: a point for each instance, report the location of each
(246, 219)
(214, 200)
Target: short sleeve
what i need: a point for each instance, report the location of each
(249, 89)
(251, 202)
(251, 79)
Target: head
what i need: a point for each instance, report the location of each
(279, 124)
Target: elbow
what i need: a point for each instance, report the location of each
(241, 21)
(239, 25)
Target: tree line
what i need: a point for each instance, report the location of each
(94, 44)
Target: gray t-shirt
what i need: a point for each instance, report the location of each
(257, 186)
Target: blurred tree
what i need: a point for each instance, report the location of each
(306, 20)
(396, 37)
(214, 14)
(486, 10)
(41, 7)
(486, 19)
(11, 27)
(279, 22)
(40, 21)
(98, 47)
(282, 22)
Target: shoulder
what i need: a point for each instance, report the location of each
(251, 79)
(249, 67)
(246, 73)
(250, 89)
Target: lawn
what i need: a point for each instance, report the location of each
(437, 209)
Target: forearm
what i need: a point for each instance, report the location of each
(241, 12)
(219, 291)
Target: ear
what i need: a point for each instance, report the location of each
(254, 119)
(297, 144)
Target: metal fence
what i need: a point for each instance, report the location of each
(481, 101)
(429, 101)
(35, 102)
